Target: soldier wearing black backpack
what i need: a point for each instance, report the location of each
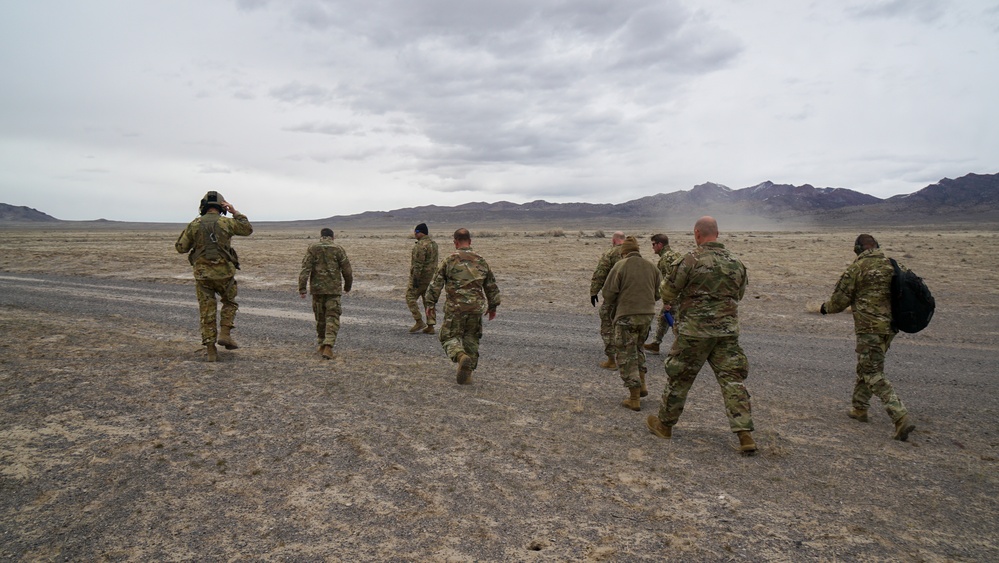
(866, 287)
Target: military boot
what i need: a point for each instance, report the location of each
(464, 368)
(746, 443)
(658, 428)
(609, 363)
(213, 352)
(652, 347)
(226, 339)
(633, 402)
(429, 329)
(420, 325)
(327, 351)
(644, 390)
(903, 427)
(858, 415)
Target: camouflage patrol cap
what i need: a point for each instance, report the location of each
(212, 199)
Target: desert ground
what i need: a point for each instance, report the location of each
(118, 442)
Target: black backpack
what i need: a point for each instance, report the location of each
(912, 304)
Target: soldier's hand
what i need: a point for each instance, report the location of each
(491, 314)
(302, 295)
(593, 300)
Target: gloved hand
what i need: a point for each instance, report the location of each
(593, 300)
(822, 309)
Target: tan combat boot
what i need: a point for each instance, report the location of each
(644, 391)
(429, 329)
(652, 347)
(633, 402)
(213, 353)
(903, 427)
(609, 363)
(326, 350)
(420, 325)
(746, 443)
(658, 428)
(858, 415)
(464, 368)
(225, 338)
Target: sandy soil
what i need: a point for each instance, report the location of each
(118, 443)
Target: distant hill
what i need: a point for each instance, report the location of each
(972, 190)
(760, 206)
(11, 213)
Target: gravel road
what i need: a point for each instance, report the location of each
(118, 443)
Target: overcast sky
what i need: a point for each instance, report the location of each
(301, 109)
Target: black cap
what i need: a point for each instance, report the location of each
(422, 228)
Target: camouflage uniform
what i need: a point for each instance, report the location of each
(630, 294)
(668, 258)
(215, 264)
(423, 264)
(326, 270)
(604, 266)
(866, 286)
(471, 292)
(710, 282)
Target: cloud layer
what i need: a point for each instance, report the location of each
(309, 108)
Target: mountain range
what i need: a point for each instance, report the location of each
(971, 199)
(966, 199)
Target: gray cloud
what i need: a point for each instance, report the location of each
(213, 169)
(926, 11)
(334, 129)
(514, 81)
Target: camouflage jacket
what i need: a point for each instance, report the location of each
(668, 259)
(468, 281)
(324, 265)
(424, 261)
(710, 282)
(206, 239)
(604, 266)
(632, 287)
(866, 287)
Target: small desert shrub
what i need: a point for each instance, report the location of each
(599, 234)
(555, 233)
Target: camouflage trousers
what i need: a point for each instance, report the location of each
(414, 294)
(630, 333)
(207, 289)
(661, 328)
(607, 328)
(731, 368)
(327, 310)
(459, 333)
(871, 349)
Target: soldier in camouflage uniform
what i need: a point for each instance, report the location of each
(206, 240)
(711, 282)
(471, 292)
(326, 269)
(630, 293)
(422, 266)
(668, 258)
(866, 287)
(604, 265)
